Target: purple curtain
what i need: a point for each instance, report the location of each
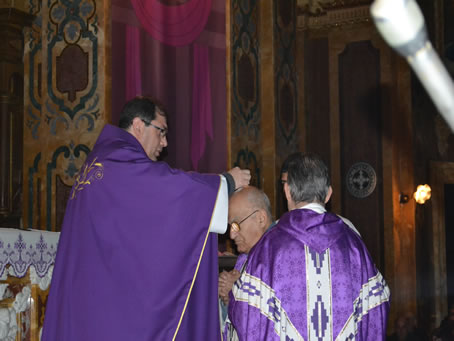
(201, 104)
(189, 79)
(133, 63)
(179, 23)
(173, 22)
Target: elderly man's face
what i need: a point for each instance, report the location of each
(250, 229)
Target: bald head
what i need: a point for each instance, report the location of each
(250, 208)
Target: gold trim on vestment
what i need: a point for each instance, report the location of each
(198, 264)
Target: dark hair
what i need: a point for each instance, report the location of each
(284, 168)
(308, 178)
(145, 108)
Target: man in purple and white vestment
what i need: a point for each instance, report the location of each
(311, 276)
(136, 259)
(250, 217)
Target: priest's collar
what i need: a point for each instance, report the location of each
(316, 207)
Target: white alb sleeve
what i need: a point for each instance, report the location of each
(221, 209)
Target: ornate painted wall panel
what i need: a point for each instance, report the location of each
(245, 87)
(67, 92)
(285, 75)
(263, 90)
(286, 89)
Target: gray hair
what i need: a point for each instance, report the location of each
(258, 200)
(308, 178)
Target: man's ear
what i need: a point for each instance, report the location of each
(261, 216)
(287, 192)
(290, 203)
(328, 195)
(137, 127)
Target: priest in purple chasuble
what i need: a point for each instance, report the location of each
(311, 276)
(136, 259)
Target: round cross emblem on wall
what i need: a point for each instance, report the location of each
(361, 180)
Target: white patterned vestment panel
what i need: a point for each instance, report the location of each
(258, 294)
(319, 305)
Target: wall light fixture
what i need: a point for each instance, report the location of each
(422, 194)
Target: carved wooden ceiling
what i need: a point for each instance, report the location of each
(319, 7)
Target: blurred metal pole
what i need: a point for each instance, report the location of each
(401, 24)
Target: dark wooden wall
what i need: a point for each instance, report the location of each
(361, 131)
(12, 22)
(353, 123)
(357, 115)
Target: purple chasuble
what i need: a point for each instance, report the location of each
(242, 258)
(309, 278)
(135, 259)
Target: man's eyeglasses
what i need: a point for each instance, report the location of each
(162, 131)
(234, 226)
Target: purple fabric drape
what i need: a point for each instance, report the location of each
(133, 63)
(201, 104)
(173, 22)
(179, 23)
(167, 73)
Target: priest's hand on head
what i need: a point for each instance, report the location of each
(242, 177)
(226, 280)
